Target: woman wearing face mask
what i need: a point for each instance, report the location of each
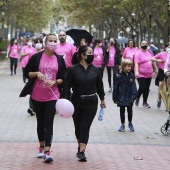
(112, 60)
(143, 72)
(38, 47)
(45, 71)
(85, 80)
(25, 55)
(99, 55)
(129, 52)
(38, 43)
(12, 51)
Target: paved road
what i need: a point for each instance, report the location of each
(107, 148)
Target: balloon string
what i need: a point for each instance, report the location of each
(51, 90)
(53, 93)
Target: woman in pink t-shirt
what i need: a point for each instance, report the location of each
(99, 55)
(45, 71)
(129, 52)
(12, 52)
(160, 60)
(143, 72)
(25, 55)
(112, 61)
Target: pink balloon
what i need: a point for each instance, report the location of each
(64, 108)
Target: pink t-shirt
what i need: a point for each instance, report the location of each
(49, 68)
(112, 52)
(24, 60)
(144, 64)
(67, 50)
(129, 53)
(162, 56)
(14, 50)
(32, 53)
(98, 57)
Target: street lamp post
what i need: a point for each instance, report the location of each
(133, 16)
(122, 24)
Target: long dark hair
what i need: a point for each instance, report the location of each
(12, 41)
(82, 50)
(116, 45)
(134, 45)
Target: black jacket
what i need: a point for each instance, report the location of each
(33, 65)
(83, 82)
(124, 90)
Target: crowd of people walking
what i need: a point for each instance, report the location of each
(53, 70)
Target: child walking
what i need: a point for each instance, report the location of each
(124, 93)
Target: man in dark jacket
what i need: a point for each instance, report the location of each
(124, 93)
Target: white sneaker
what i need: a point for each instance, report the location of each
(110, 89)
(48, 158)
(41, 153)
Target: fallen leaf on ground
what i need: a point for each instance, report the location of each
(138, 158)
(146, 137)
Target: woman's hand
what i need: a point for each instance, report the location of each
(102, 104)
(156, 70)
(137, 74)
(40, 76)
(50, 83)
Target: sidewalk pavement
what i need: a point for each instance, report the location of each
(107, 149)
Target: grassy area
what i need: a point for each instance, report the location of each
(2, 45)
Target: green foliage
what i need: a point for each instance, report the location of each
(32, 15)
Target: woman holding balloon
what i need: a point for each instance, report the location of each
(45, 71)
(85, 80)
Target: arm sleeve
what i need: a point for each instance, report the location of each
(99, 86)
(67, 84)
(30, 67)
(134, 91)
(115, 90)
(166, 64)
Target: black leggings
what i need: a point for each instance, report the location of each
(23, 76)
(144, 85)
(13, 64)
(109, 74)
(45, 112)
(82, 121)
(122, 114)
(101, 71)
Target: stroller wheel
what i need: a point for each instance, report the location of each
(165, 129)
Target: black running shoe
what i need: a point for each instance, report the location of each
(82, 157)
(158, 104)
(137, 102)
(31, 112)
(78, 151)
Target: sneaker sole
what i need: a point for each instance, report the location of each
(31, 112)
(121, 130)
(83, 160)
(146, 107)
(49, 160)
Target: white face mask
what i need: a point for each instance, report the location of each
(168, 50)
(38, 45)
(100, 44)
(29, 43)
